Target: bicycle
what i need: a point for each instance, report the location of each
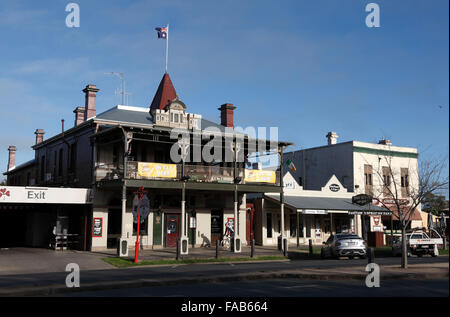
(226, 239)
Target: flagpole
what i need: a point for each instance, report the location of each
(167, 46)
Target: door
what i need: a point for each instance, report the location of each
(172, 229)
(216, 226)
(250, 232)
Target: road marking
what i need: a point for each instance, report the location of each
(231, 264)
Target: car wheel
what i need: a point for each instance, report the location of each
(420, 255)
(351, 257)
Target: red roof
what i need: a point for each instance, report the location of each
(165, 93)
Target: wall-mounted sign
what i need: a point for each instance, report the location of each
(97, 228)
(314, 212)
(391, 201)
(157, 170)
(370, 213)
(44, 195)
(335, 187)
(259, 176)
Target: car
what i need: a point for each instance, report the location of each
(418, 243)
(344, 244)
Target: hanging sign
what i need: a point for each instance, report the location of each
(157, 170)
(259, 176)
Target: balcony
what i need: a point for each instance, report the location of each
(196, 173)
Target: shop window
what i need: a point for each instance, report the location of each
(269, 225)
(143, 228)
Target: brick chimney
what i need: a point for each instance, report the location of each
(332, 138)
(12, 157)
(226, 115)
(39, 135)
(79, 115)
(89, 105)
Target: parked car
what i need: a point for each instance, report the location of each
(345, 244)
(418, 243)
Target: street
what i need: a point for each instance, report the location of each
(286, 288)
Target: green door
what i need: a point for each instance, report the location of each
(157, 228)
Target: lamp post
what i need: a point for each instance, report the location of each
(183, 143)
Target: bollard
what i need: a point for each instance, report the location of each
(252, 252)
(178, 250)
(371, 255)
(217, 249)
(310, 248)
(285, 247)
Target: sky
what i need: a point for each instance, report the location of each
(306, 67)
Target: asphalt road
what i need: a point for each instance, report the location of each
(192, 271)
(287, 288)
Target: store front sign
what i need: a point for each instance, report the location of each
(44, 195)
(314, 212)
(335, 187)
(259, 176)
(370, 213)
(157, 170)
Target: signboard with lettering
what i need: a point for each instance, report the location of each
(259, 176)
(157, 170)
(97, 228)
(370, 213)
(314, 212)
(335, 187)
(45, 195)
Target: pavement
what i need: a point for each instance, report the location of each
(42, 272)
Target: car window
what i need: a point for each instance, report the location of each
(416, 236)
(349, 236)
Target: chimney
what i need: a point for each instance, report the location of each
(89, 105)
(39, 135)
(12, 157)
(332, 138)
(226, 115)
(79, 115)
(385, 142)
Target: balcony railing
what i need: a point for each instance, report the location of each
(195, 173)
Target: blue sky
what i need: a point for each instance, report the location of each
(307, 67)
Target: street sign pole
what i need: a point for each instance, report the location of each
(139, 192)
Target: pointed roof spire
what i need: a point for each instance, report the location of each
(165, 93)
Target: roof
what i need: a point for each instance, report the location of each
(324, 203)
(136, 115)
(21, 166)
(165, 93)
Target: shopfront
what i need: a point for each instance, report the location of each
(311, 214)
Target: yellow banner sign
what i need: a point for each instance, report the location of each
(259, 176)
(157, 170)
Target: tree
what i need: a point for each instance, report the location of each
(406, 191)
(434, 204)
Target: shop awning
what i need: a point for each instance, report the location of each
(328, 203)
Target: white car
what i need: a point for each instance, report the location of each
(418, 243)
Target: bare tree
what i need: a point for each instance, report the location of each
(406, 192)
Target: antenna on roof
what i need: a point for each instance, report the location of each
(122, 79)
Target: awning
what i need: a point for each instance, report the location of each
(328, 203)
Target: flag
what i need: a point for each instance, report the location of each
(291, 165)
(162, 32)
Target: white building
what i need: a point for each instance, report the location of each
(362, 168)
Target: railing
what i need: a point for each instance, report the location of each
(173, 172)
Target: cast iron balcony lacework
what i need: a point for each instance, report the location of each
(196, 173)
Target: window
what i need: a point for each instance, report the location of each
(60, 163)
(300, 181)
(42, 167)
(176, 117)
(73, 157)
(143, 228)
(171, 117)
(269, 225)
